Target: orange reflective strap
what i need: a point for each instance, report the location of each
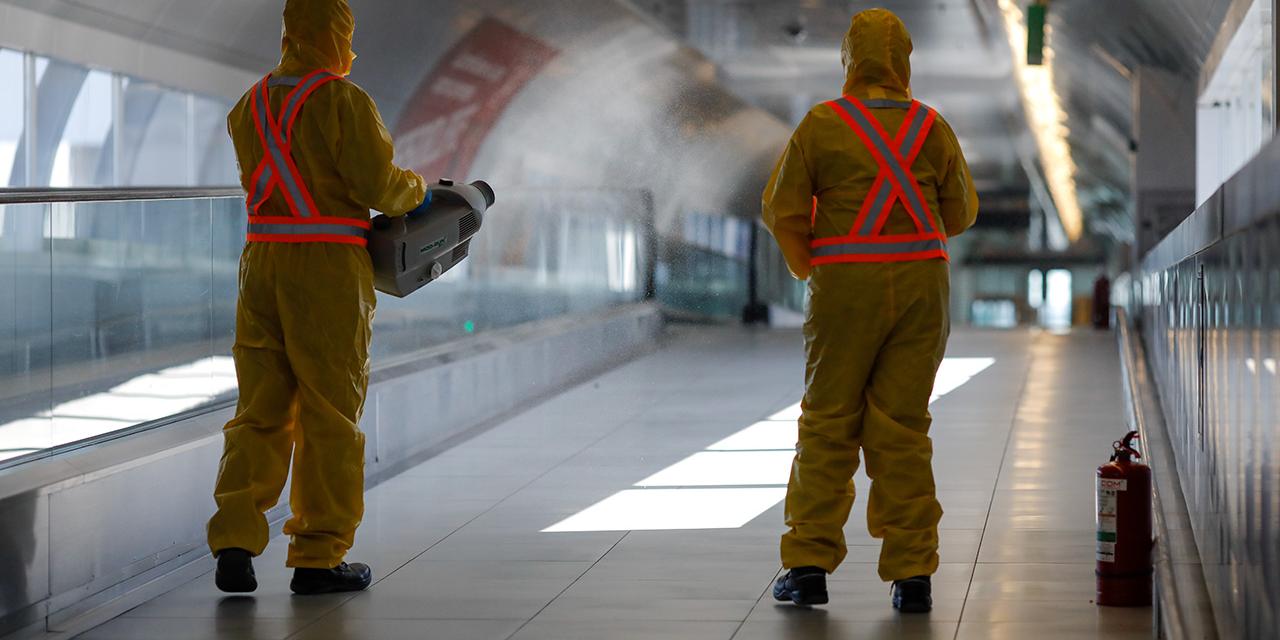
(866, 223)
(891, 162)
(293, 104)
(278, 170)
(894, 183)
(264, 178)
(275, 154)
(286, 171)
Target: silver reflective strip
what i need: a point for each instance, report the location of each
(873, 216)
(879, 249)
(260, 189)
(284, 81)
(886, 104)
(306, 229)
(890, 158)
(295, 102)
(277, 157)
(914, 132)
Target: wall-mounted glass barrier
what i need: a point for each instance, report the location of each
(119, 306)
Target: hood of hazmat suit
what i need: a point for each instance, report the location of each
(877, 57)
(317, 35)
(875, 331)
(304, 316)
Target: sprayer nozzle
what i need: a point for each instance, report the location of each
(487, 191)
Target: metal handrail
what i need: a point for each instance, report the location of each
(48, 196)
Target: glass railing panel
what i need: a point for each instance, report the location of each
(119, 314)
(25, 342)
(131, 314)
(701, 280)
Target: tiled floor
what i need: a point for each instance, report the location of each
(566, 521)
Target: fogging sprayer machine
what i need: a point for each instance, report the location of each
(412, 250)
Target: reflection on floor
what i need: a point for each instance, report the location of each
(646, 504)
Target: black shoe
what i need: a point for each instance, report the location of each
(913, 595)
(235, 571)
(344, 577)
(804, 586)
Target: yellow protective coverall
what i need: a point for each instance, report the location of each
(305, 311)
(875, 333)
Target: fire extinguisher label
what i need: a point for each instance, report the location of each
(1108, 493)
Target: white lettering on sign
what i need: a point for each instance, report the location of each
(479, 67)
(427, 143)
(453, 89)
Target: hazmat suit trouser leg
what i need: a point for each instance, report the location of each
(303, 325)
(874, 336)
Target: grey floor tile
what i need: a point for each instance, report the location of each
(1078, 612)
(201, 599)
(1047, 587)
(340, 627)
(529, 545)
(1049, 630)
(435, 569)
(1041, 545)
(448, 597)
(818, 625)
(241, 626)
(626, 630)
(649, 600)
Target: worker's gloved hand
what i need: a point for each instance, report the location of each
(422, 208)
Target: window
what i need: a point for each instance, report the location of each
(12, 113)
(94, 128)
(155, 132)
(83, 157)
(214, 157)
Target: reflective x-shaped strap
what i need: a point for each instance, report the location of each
(895, 181)
(277, 169)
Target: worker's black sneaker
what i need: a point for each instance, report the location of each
(235, 571)
(804, 586)
(344, 577)
(913, 595)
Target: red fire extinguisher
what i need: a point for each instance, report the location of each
(1124, 528)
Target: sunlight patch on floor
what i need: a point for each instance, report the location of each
(733, 481)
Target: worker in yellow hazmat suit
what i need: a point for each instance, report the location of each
(315, 158)
(861, 203)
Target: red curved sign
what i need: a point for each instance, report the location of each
(460, 100)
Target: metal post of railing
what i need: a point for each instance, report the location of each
(650, 246)
(755, 312)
